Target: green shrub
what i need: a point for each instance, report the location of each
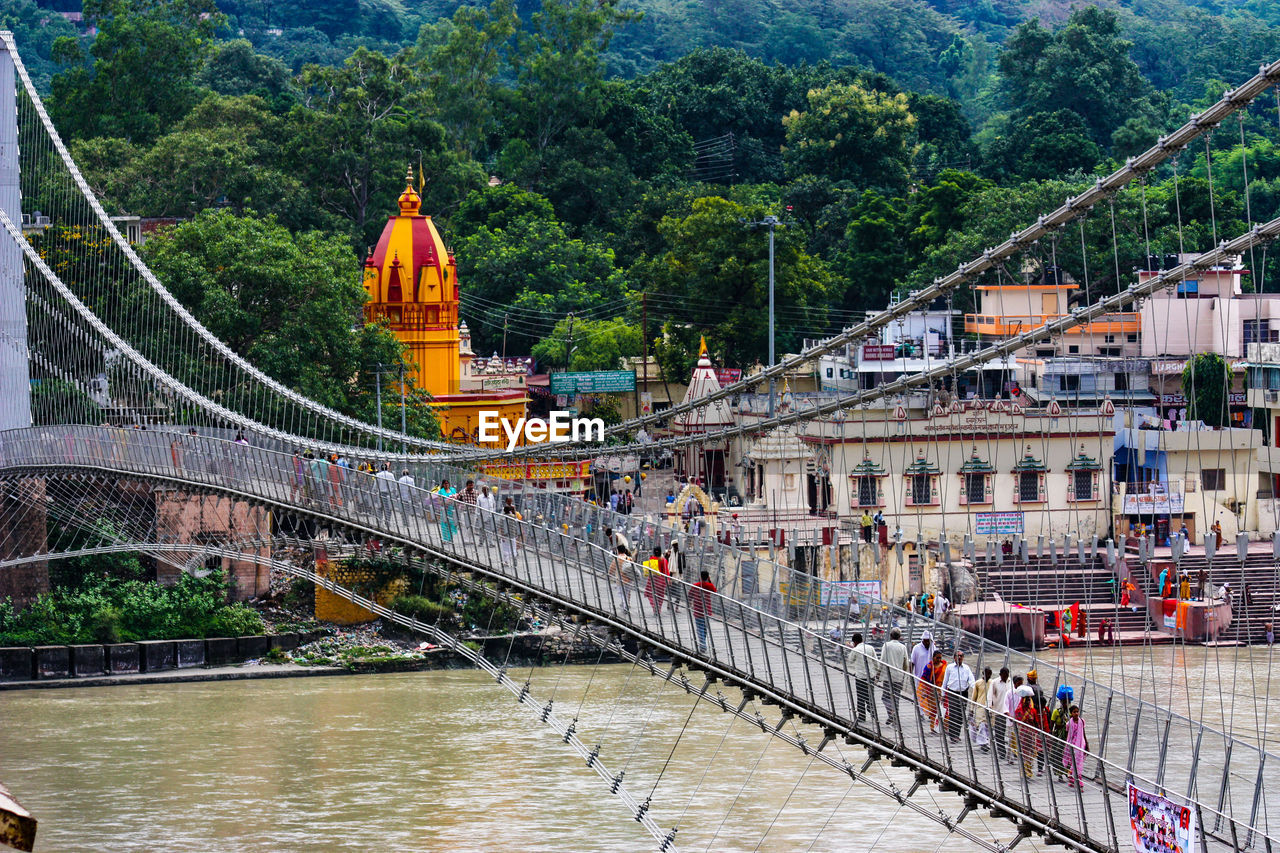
(423, 609)
(115, 609)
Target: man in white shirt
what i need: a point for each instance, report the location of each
(863, 667)
(894, 667)
(406, 491)
(998, 692)
(957, 681)
(386, 490)
(921, 654)
(486, 518)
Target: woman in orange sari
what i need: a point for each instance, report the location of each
(929, 691)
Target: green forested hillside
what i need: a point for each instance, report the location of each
(592, 156)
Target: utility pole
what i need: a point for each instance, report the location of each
(771, 222)
(644, 334)
(504, 339)
(568, 350)
(377, 377)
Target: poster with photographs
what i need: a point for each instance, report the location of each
(1159, 824)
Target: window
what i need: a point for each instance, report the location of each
(1115, 351)
(1044, 353)
(1070, 383)
(1074, 348)
(1028, 487)
(1256, 331)
(921, 489)
(830, 372)
(975, 488)
(1110, 339)
(1213, 479)
(1133, 339)
(1082, 485)
(867, 491)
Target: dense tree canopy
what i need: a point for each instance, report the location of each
(584, 157)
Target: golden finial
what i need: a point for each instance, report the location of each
(702, 348)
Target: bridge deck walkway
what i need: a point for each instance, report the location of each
(774, 656)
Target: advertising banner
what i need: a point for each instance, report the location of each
(1159, 825)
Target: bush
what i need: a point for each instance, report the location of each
(423, 609)
(112, 609)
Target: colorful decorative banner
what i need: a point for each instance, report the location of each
(1160, 825)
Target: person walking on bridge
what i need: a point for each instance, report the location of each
(620, 578)
(1077, 746)
(386, 490)
(998, 704)
(894, 667)
(701, 605)
(957, 681)
(1028, 731)
(657, 573)
(921, 656)
(864, 668)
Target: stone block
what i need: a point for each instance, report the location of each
(88, 660)
(189, 653)
(220, 650)
(17, 663)
(53, 661)
(251, 648)
(123, 658)
(284, 642)
(157, 655)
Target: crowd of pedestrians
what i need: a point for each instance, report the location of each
(997, 712)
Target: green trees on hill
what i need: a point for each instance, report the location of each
(891, 138)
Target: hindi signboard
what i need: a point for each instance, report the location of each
(728, 375)
(1154, 504)
(593, 382)
(1159, 825)
(998, 523)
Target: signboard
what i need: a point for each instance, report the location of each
(728, 375)
(1170, 504)
(879, 352)
(830, 593)
(646, 404)
(593, 382)
(998, 523)
(1234, 399)
(1159, 825)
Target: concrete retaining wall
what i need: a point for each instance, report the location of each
(25, 663)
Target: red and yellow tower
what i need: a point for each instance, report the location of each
(412, 283)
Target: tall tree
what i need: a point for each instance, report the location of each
(462, 59)
(851, 133)
(1084, 67)
(357, 128)
(139, 76)
(1205, 382)
(713, 277)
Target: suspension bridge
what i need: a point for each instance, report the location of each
(83, 319)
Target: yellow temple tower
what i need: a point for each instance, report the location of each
(411, 284)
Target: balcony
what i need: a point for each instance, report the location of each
(1005, 325)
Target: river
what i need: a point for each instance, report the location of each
(440, 760)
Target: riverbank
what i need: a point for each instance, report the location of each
(362, 650)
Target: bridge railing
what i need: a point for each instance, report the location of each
(1222, 776)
